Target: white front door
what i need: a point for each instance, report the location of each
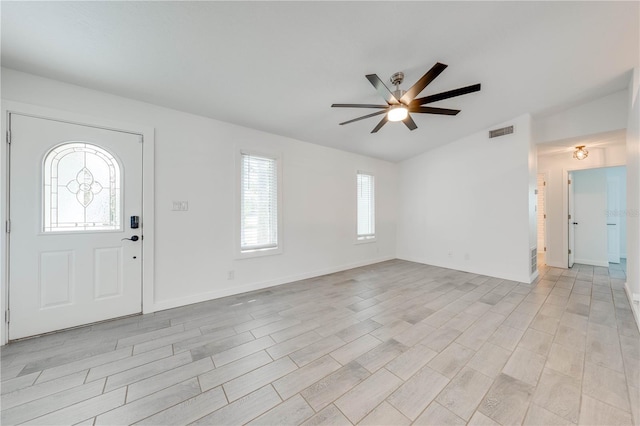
(73, 191)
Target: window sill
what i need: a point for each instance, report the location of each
(258, 253)
(365, 241)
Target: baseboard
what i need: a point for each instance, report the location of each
(533, 276)
(556, 265)
(635, 306)
(592, 262)
(460, 268)
(211, 295)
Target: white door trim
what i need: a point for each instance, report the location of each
(148, 202)
(545, 192)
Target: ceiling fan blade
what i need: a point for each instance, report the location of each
(446, 95)
(382, 89)
(364, 116)
(432, 110)
(410, 123)
(422, 83)
(380, 124)
(358, 106)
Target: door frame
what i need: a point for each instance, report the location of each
(545, 192)
(148, 201)
(565, 206)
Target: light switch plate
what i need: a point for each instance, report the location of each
(180, 206)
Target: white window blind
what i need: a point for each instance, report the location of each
(366, 206)
(258, 203)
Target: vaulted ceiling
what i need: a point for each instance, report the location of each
(278, 66)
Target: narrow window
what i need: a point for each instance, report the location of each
(258, 203)
(366, 207)
(81, 189)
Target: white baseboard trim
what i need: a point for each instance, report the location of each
(556, 265)
(460, 268)
(533, 276)
(217, 294)
(593, 262)
(635, 306)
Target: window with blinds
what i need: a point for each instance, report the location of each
(366, 206)
(258, 203)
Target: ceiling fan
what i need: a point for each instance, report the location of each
(400, 103)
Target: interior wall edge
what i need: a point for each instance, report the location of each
(635, 306)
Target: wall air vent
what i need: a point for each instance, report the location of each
(500, 132)
(533, 255)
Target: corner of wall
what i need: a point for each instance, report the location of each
(634, 301)
(632, 286)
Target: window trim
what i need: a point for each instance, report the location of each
(258, 252)
(370, 238)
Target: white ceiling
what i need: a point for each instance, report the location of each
(278, 66)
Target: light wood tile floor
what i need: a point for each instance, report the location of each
(388, 344)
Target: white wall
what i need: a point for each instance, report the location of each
(195, 162)
(590, 196)
(600, 115)
(532, 154)
(465, 205)
(633, 195)
(556, 167)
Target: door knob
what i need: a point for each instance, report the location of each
(133, 238)
(575, 223)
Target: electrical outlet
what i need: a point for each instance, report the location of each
(231, 275)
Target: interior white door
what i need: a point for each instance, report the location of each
(73, 190)
(589, 222)
(571, 219)
(613, 219)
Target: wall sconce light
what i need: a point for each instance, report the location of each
(580, 153)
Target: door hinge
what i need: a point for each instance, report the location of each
(569, 216)
(545, 216)
(544, 183)
(545, 249)
(7, 316)
(8, 226)
(9, 137)
(569, 251)
(569, 181)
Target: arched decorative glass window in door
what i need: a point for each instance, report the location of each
(81, 189)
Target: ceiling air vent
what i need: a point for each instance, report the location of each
(500, 132)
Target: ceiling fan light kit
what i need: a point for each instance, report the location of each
(400, 103)
(397, 113)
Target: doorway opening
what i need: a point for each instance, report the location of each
(597, 225)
